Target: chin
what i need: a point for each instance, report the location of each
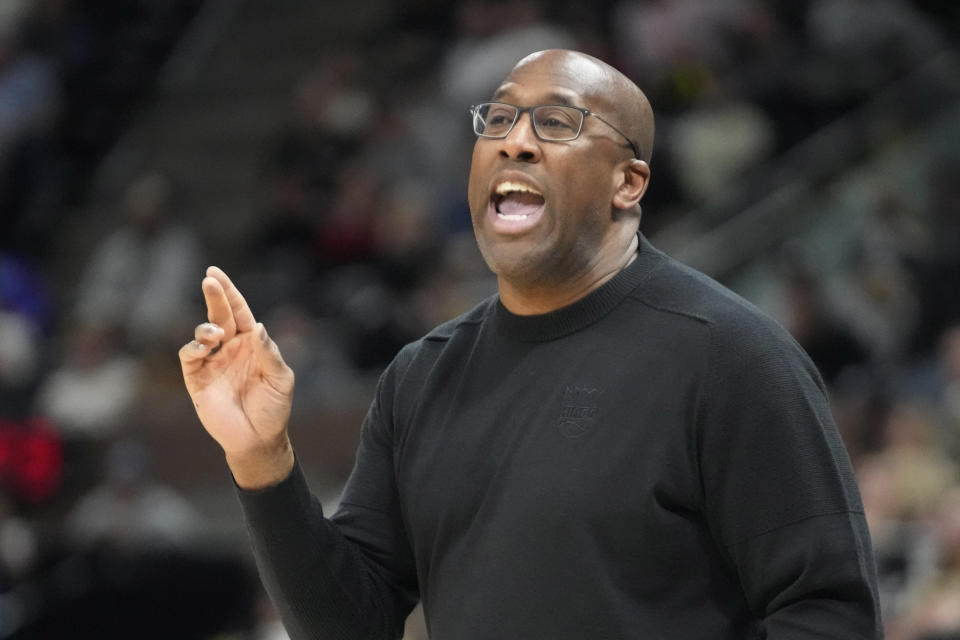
(521, 268)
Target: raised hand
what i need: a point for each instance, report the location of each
(240, 386)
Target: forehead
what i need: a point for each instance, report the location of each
(564, 79)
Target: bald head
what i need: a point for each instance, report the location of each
(613, 93)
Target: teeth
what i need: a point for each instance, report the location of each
(512, 187)
(512, 216)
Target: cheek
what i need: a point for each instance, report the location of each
(476, 189)
(585, 191)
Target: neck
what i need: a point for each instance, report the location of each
(526, 300)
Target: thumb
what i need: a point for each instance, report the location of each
(275, 370)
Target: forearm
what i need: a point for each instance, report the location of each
(319, 581)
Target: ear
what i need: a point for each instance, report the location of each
(631, 184)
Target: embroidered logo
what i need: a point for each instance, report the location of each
(579, 411)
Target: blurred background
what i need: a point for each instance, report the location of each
(807, 156)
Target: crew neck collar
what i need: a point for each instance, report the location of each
(585, 311)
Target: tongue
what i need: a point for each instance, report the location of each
(520, 204)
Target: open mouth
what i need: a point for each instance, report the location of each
(516, 201)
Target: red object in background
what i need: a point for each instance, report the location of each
(31, 459)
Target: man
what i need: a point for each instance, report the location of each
(613, 447)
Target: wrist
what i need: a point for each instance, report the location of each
(262, 468)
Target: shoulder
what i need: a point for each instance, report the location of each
(420, 354)
(466, 322)
(673, 287)
(738, 332)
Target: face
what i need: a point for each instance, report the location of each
(543, 211)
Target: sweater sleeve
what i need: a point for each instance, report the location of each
(349, 577)
(779, 491)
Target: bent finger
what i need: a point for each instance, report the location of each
(192, 356)
(241, 312)
(209, 334)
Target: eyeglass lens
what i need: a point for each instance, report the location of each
(551, 122)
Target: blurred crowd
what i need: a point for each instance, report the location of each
(361, 242)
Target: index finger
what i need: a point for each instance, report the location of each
(229, 308)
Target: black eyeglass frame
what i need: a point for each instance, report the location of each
(474, 111)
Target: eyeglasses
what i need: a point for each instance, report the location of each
(551, 122)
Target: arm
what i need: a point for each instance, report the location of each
(352, 576)
(780, 494)
(328, 580)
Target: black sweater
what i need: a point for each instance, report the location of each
(655, 461)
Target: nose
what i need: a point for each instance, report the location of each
(522, 142)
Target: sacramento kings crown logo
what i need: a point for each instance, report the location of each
(579, 411)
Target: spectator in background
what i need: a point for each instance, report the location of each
(316, 217)
(934, 613)
(906, 484)
(828, 340)
(947, 386)
(345, 230)
(894, 234)
(408, 235)
(676, 46)
(331, 114)
(25, 320)
(914, 446)
(19, 362)
(379, 312)
(939, 271)
(718, 141)
(856, 44)
(89, 397)
(93, 389)
(895, 538)
(136, 279)
(29, 109)
(131, 510)
(141, 565)
(492, 35)
(19, 542)
(877, 298)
